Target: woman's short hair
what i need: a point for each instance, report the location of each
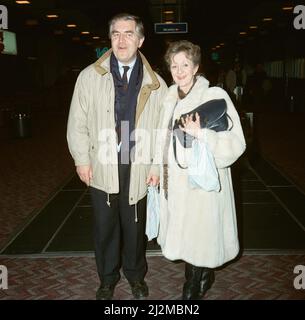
(192, 51)
(126, 17)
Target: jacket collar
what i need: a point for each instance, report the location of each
(201, 85)
(102, 66)
(190, 101)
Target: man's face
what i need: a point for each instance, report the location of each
(124, 41)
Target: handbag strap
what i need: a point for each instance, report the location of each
(232, 124)
(175, 143)
(175, 150)
(175, 140)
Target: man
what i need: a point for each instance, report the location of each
(113, 97)
(235, 81)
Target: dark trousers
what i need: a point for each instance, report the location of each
(119, 239)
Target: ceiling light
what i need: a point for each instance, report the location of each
(287, 8)
(168, 12)
(243, 33)
(168, 22)
(52, 16)
(23, 2)
(96, 37)
(71, 25)
(85, 32)
(267, 19)
(253, 27)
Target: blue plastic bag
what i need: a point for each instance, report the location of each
(202, 171)
(152, 213)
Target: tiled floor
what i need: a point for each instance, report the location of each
(46, 225)
(268, 219)
(31, 170)
(251, 277)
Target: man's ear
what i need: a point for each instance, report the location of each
(141, 42)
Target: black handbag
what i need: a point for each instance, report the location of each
(213, 115)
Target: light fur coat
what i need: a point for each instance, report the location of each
(196, 226)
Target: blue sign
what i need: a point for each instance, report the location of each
(215, 56)
(180, 27)
(101, 51)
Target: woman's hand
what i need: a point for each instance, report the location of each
(191, 127)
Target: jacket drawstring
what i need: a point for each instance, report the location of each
(136, 213)
(135, 207)
(108, 200)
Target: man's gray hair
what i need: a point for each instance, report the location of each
(126, 17)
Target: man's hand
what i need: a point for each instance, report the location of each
(153, 180)
(84, 173)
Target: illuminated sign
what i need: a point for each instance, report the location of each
(101, 51)
(9, 42)
(180, 27)
(215, 56)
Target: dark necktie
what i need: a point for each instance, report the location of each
(124, 78)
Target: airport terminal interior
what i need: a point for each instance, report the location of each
(46, 217)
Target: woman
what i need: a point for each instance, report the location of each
(196, 226)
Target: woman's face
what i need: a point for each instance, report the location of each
(183, 71)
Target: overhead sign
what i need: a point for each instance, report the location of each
(180, 27)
